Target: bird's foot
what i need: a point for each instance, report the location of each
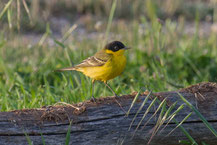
(116, 96)
(93, 99)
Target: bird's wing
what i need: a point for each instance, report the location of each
(99, 59)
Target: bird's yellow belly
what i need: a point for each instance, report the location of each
(108, 71)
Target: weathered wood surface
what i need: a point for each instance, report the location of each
(105, 122)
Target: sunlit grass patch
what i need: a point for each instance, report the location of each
(163, 58)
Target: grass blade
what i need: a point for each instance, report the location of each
(148, 109)
(170, 117)
(159, 122)
(181, 122)
(182, 128)
(42, 138)
(27, 10)
(131, 106)
(68, 134)
(160, 106)
(111, 15)
(193, 142)
(5, 8)
(45, 35)
(67, 34)
(59, 43)
(177, 111)
(18, 15)
(140, 108)
(199, 115)
(203, 143)
(28, 139)
(185, 142)
(9, 18)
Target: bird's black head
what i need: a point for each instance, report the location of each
(115, 46)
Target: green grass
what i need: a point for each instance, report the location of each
(162, 58)
(199, 115)
(158, 60)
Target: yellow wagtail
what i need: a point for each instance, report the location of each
(106, 64)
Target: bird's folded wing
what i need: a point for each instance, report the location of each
(99, 59)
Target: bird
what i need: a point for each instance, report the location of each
(105, 65)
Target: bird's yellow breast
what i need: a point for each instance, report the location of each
(112, 68)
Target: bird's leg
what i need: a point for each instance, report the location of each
(92, 97)
(111, 89)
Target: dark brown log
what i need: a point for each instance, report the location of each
(105, 122)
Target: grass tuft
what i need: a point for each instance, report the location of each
(199, 115)
(68, 134)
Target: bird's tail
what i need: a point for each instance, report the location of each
(66, 69)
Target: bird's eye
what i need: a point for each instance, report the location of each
(116, 48)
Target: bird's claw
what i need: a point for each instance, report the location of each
(116, 96)
(93, 99)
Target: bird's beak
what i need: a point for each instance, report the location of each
(127, 48)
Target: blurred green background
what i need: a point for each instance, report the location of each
(173, 45)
